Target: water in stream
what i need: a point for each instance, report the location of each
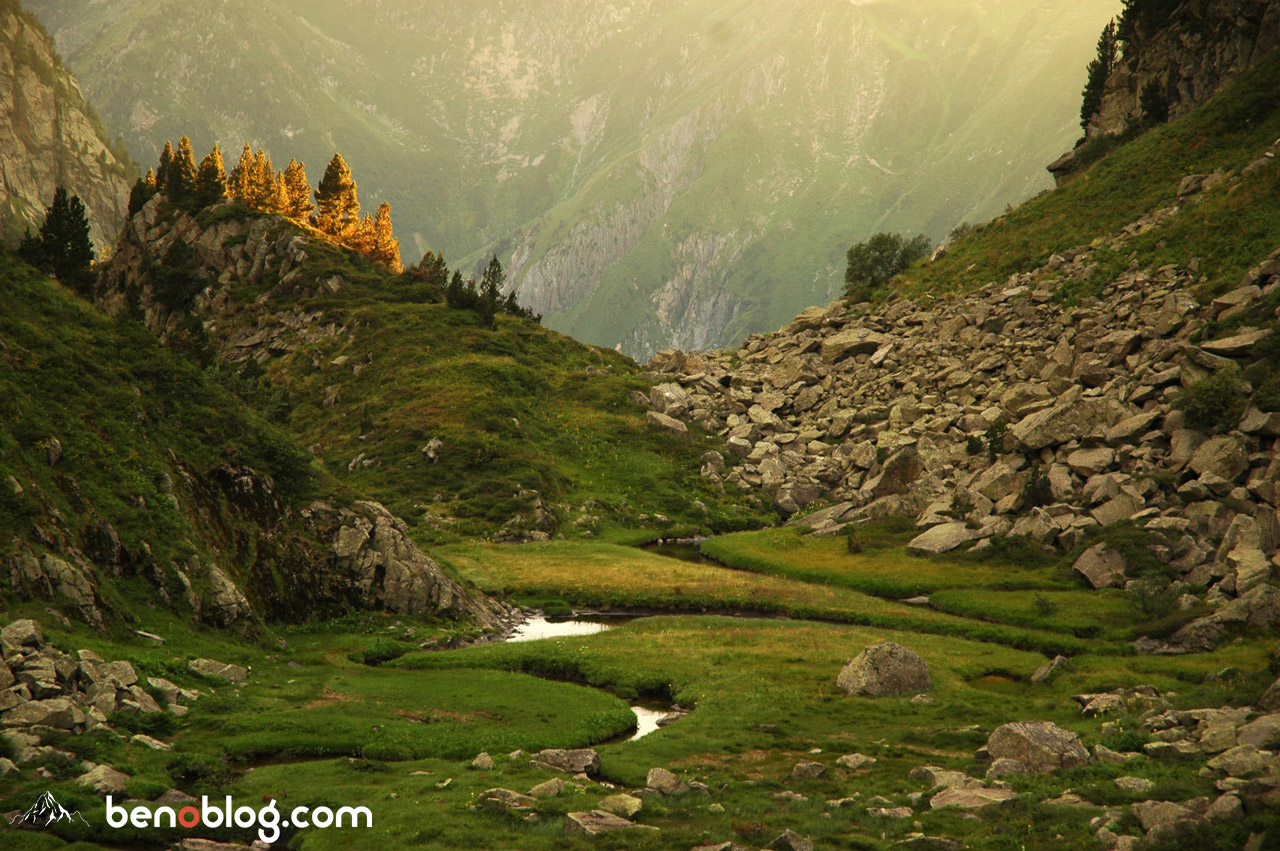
(648, 718)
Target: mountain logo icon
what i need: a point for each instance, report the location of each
(46, 811)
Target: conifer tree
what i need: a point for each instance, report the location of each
(182, 171)
(383, 247)
(431, 270)
(491, 283)
(163, 169)
(261, 183)
(63, 247)
(1100, 68)
(297, 191)
(279, 195)
(337, 206)
(238, 181)
(455, 295)
(149, 180)
(139, 195)
(211, 178)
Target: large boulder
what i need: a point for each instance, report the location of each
(885, 669)
(23, 633)
(1065, 422)
(941, 539)
(857, 341)
(1041, 746)
(1102, 566)
(1225, 456)
(898, 474)
(599, 821)
(670, 425)
(580, 761)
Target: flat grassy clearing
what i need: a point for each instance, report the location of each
(883, 571)
(611, 576)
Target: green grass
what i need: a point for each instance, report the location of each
(1231, 231)
(610, 576)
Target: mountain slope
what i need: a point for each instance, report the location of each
(50, 136)
(655, 173)
(512, 431)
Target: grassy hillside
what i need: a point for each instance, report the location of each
(102, 428)
(463, 428)
(1230, 230)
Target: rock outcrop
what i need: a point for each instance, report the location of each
(50, 136)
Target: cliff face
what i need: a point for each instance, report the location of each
(49, 135)
(1203, 46)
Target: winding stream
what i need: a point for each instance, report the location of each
(538, 626)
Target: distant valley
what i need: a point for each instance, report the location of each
(651, 174)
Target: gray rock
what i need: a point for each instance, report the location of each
(1133, 784)
(548, 789)
(885, 669)
(854, 761)
(941, 539)
(1102, 566)
(104, 780)
(664, 423)
(663, 781)
(1041, 746)
(580, 761)
(504, 800)
(213, 669)
(971, 797)
(598, 821)
(791, 841)
(1066, 422)
(807, 771)
(483, 762)
(1046, 671)
(627, 806)
(1223, 456)
(23, 633)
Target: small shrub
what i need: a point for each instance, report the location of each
(1043, 606)
(1152, 599)
(995, 438)
(1215, 402)
(379, 652)
(1037, 493)
(974, 445)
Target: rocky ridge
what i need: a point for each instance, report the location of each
(49, 135)
(1189, 56)
(1011, 413)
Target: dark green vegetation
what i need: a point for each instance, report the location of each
(611, 155)
(62, 246)
(108, 428)
(463, 421)
(872, 264)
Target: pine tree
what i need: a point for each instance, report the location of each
(149, 180)
(1100, 68)
(162, 171)
(238, 181)
(298, 192)
(431, 270)
(261, 183)
(383, 247)
(279, 195)
(182, 172)
(337, 206)
(139, 195)
(492, 282)
(455, 295)
(63, 248)
(211, 179)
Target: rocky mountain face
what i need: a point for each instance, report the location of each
(1011, 413)
(650, 174)
(1189, 56)
(1192, 54)
(50, 136)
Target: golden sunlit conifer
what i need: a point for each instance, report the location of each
(337, 206)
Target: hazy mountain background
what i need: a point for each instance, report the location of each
(651, 173)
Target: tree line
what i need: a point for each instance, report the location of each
(256, 183)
